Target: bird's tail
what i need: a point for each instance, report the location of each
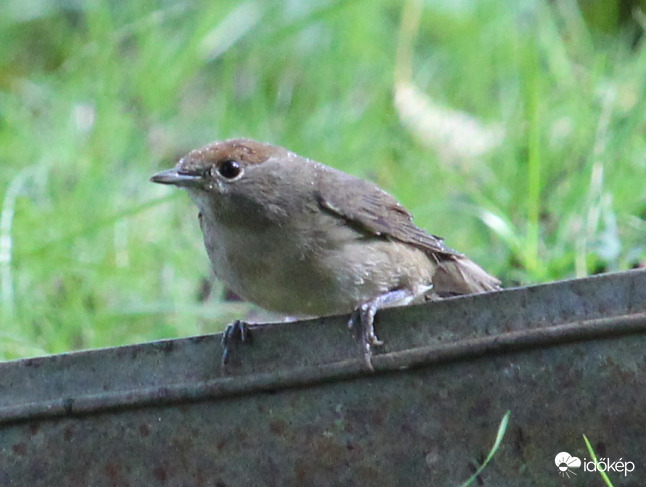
(459, 275)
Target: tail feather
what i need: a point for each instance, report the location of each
(459, 275)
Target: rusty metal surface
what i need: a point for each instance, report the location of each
(298, 408)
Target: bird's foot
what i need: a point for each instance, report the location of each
(362, 320)
(235, 333)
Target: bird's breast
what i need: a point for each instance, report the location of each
(309, 270)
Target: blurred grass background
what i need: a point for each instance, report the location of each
(516, 130)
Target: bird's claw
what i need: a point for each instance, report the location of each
(235, 333)
(362, 321)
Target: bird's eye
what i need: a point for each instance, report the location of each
(229, 169)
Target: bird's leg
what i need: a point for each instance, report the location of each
(235, 333)
(362, 319)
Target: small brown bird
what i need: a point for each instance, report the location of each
(298, 237)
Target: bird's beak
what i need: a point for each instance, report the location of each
(172, 176)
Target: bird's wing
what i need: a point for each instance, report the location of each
(372, 210)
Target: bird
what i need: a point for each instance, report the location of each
(304, 239)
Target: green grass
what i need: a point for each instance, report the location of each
(97, 96)
(502, 429)
(602, 473)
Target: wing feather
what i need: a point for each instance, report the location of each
(372, 210)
